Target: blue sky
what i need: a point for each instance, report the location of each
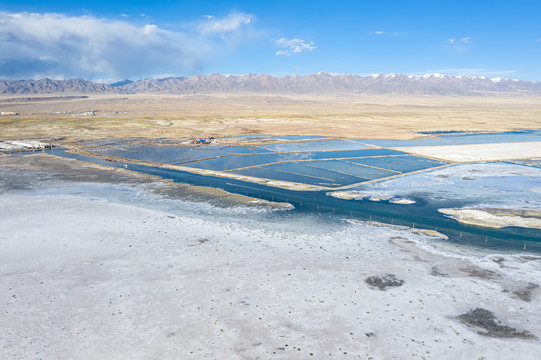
(111, 40)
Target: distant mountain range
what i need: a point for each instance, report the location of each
(320, 83)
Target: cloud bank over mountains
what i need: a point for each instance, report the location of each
(35, 45)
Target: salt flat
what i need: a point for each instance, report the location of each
(103, 270)
(478, 152)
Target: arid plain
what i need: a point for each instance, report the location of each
(179, 116)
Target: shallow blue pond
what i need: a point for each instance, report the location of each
(461, 139)
(268, 173)
(359, 171)
(325, 173)
(173, 154)
(400, 164)
(322, 145)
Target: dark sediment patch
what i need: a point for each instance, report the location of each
(436, 272)
(499, 261)
(487, 321)
(523, 294)
(480, 273)
(530, 258)
(526, 294)
(199, 242)
(384, 281)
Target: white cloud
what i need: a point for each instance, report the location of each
(282, 53)
(124, 15)
(464, 40)
(539, 40)
(386, 33)
(55, 45)
(293, 46)
(231, 22)
(149, 29)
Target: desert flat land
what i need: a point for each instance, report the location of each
(344, 115)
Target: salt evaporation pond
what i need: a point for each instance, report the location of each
(422, 214)
(349, 167)
(174, 154)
